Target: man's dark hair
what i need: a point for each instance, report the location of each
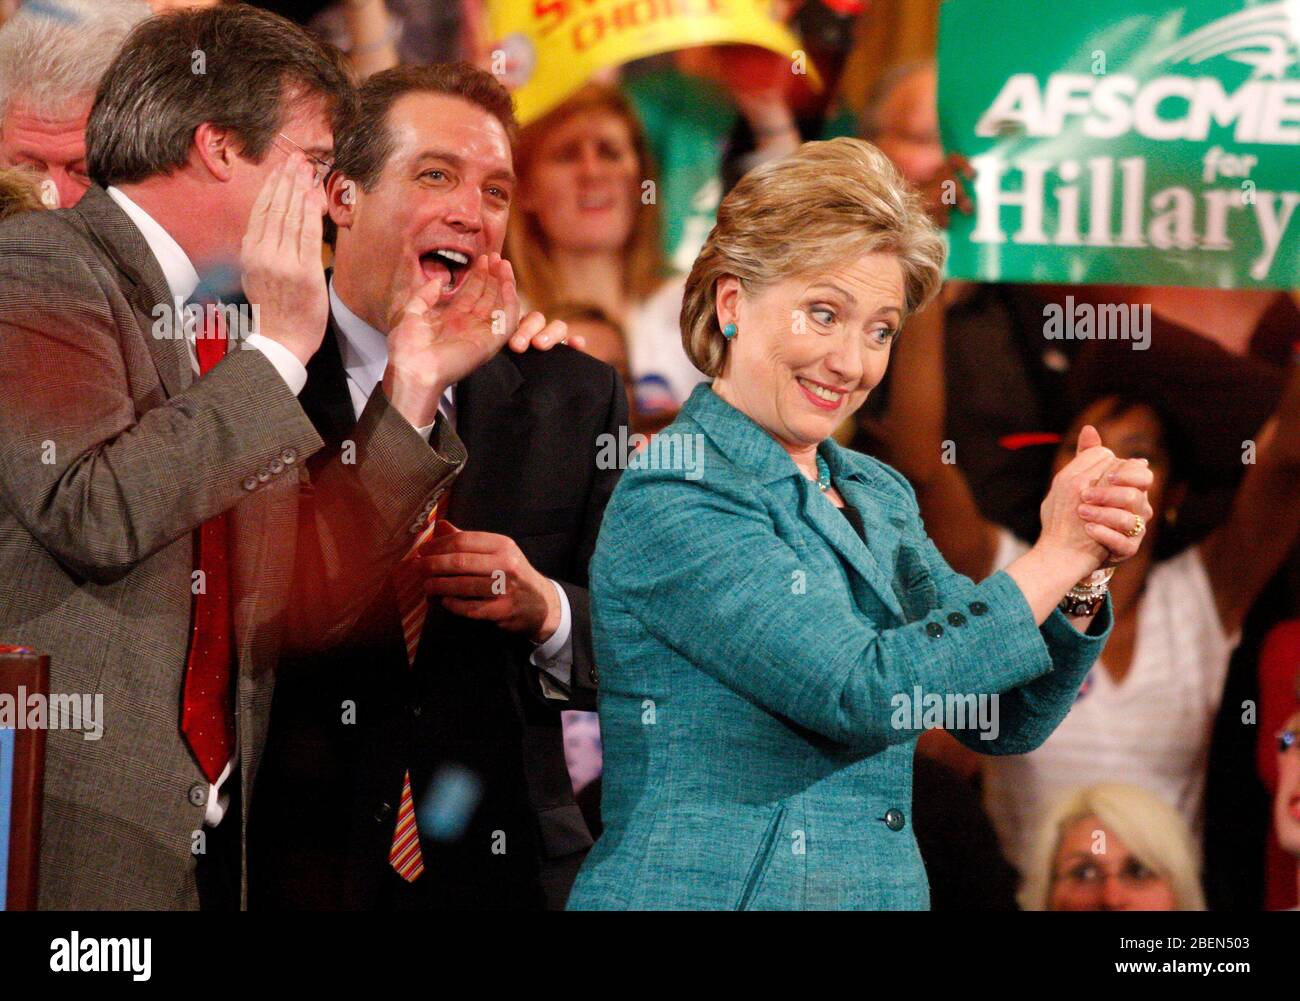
(363, 147)
(237, 67)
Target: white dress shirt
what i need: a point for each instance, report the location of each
(365, 356)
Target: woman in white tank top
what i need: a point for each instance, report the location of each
(1145, 713)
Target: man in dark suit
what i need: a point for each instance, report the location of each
(450, 729)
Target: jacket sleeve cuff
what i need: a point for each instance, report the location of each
(1022, 652)
(292, 371)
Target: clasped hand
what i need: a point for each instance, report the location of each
(1091, 513)
(485, 576)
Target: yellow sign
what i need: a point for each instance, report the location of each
(547, 49)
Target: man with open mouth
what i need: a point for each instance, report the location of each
(426, 750)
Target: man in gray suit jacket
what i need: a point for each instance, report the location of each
(207, 142)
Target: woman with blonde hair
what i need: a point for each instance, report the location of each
(585, 227)
(769, 616)
(1112, 847)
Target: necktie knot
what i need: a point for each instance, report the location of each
(209, 333)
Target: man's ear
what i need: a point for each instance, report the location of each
(216, 151)
(726, 298)
(341, 193)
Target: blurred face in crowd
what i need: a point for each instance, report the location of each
(909, 127)
(1111, 879)
(583, 183)
(1287, 804)
(55, 148)
(1136, 433)
(603, 342)
(606, 344)
(441, 201)
(811, 347)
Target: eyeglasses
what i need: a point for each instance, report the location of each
(1132, 873)
(323, 167)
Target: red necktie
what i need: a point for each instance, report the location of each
(404, 854)
(207, 708)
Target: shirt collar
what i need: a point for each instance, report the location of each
(364, 349)
(175, 264)
(365, 353)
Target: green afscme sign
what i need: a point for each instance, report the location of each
(1148, 143)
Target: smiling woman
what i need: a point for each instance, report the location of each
(769, 604)
(770, 230)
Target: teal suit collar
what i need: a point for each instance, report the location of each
(746, 444)
(738, 437)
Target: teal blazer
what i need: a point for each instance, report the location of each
(752, 654)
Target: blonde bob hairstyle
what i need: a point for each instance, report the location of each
(825, 203)
(1153, 831)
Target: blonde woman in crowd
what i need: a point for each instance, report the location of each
(1112, 848)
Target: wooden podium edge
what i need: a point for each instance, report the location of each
(31, 671)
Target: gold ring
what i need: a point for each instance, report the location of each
(1139, 526)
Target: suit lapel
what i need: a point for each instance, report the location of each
(869, 561)
(739, 438)
(494, 434)
(325, 398)
(145, 286)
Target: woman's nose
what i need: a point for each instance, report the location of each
(590, 163)
(1116, 894)
(846, 361)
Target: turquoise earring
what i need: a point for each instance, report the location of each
(729, 331)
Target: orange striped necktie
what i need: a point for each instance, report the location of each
(413, 605)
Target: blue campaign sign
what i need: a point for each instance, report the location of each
(8, 740)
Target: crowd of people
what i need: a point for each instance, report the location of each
(366, 187)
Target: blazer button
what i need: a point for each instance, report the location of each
(289, 456)
(933, 630)
(382, 812)
(250, 482)
(277, 466)
(263, 474)
(956, 619)
(978, 608)
(894, 819)
(198, 794)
